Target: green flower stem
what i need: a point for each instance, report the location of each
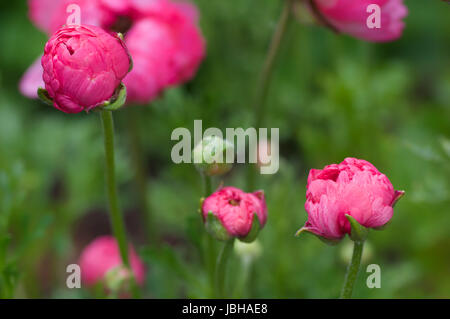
(210, 249)
(114, 209)
(269, 64)
(243, 284)
(210, 260)
(116, 216)
(352, 270)
(221, 267)
(140, 172)
(207, 185)
(259, 105)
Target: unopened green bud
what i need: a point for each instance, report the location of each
(210, 156)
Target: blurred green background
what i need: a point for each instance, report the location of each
(332, 97)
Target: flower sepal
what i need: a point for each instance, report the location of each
(215, 228)
(328, 241)
(44, 96)
(117, 100)
(398, 195)
(358, 232)
(254, 231)
(118, 279)
(210, 156)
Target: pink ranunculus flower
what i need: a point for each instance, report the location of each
(83, 67)
(163, 38)
(354, 187)
(51, 15)
(102, 256)
(166, 52)
(350, 16)
(235, 211)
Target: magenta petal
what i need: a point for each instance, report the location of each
(353, 187)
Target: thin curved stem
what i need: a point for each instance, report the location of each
(221, 267)
(259, 105)
(352, 270)
(269, 64)
(116, 217)
(207, 185)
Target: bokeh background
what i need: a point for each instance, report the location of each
(332, 97)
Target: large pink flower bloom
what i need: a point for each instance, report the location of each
(83, 67)
(350, 16)
(235, 209)
(162, 36)
(101, 256)
(354, 187)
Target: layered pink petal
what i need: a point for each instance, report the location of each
(166, 47)
(235, 209)
(165, 43)
(83, 67)
(353, 187)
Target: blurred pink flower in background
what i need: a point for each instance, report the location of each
(162, 36)
(83, 67)
(32, 79)
(235, 209)
(353, 187)
(101, 256)
(350, 16)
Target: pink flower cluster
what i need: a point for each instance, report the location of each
(350, 16)
(235, 210)
(354, 187)
(162, 37)
(101, 256)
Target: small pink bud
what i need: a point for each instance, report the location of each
(83, 67)
(353, 190)
(100, 261)
(230, 212)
